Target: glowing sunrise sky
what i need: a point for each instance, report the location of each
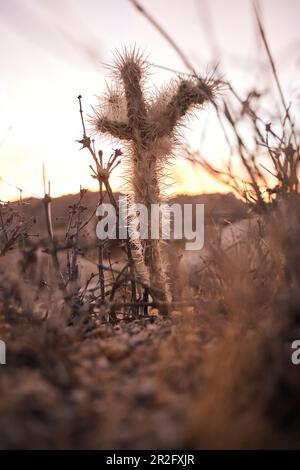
(52, 50)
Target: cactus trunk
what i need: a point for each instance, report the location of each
(148, 127)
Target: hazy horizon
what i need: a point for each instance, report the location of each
(53, 50)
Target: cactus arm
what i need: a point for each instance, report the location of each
(119, 130)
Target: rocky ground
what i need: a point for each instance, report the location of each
(124, 386)
(193, 380)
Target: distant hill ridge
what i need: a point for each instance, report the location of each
(217, 207)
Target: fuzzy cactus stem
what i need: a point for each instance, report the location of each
(148, 127)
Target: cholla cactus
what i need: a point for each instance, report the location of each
(148, 125)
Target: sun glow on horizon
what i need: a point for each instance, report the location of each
(47, 62)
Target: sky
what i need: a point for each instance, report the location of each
(52, 50)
